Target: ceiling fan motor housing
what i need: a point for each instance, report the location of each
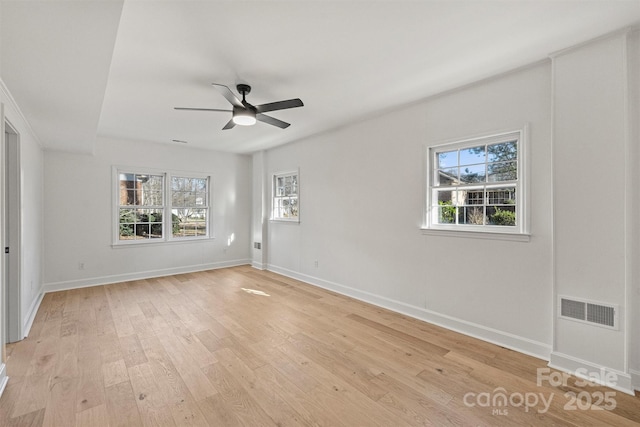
(243, 88)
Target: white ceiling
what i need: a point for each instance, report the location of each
(83, 69)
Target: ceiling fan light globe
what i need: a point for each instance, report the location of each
(244, 120)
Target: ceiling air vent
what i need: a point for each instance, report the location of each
(594, 313)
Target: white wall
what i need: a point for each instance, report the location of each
(634, 292)
(79, 214)
(259, 212)
(361, 205)
(595, 223)
(361, 210)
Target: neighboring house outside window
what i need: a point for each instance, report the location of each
(285, 206)
(149, 211)
(141, 206)
(477, 185)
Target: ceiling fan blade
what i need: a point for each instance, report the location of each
(272, 121)
(280, 105)
(200, 109)
(229, 125)
(226, 92)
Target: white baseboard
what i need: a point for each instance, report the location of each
(258, 265)
(635, 379)
(494, 336)
(3, 378)
(117, 278)
(590, 371)
(33, 310)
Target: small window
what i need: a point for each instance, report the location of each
(285, 206)
(476, 185)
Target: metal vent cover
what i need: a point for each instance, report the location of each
(591, 312)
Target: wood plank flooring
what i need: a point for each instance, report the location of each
(242, 347)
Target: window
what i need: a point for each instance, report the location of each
(141, 206)
(149, 211)
(285, 206)
(476, 185)
(190, 207)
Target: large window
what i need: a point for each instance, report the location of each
(285, 205)
(476, 185)
(190, 207)
(141, 206)
(149, 210)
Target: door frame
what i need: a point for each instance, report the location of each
(11, 233)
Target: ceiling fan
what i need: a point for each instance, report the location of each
(245, 114)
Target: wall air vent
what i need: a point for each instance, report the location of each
(591, 312)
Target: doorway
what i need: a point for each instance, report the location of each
(12, 232)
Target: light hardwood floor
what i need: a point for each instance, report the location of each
(244, 347)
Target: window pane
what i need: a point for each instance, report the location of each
(472, 215)
(127, 216)
(293, 207)
(148, 190)
(447, 159)
(446, 213)
(503, 151)
(446, 208)
(502, 215)
(177, 184)
(471, 156)
(189, 222)
(149, 198)
(445, 197)
(476, 173)
(448, 176)
(501, 196)
(126, 231)
(127, 178)
(504, 171)
(154, 182)
(127, 189)
(189, 198)
(177, 198)
(474, 197)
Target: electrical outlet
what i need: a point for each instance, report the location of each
(315, 263)
(81, 266)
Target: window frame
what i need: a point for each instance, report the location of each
(206, 206)
(167, 207)
(274, 197)
(519, 232)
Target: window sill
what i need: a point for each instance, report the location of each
(489, 235)
(285, 221)
(138, 243)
